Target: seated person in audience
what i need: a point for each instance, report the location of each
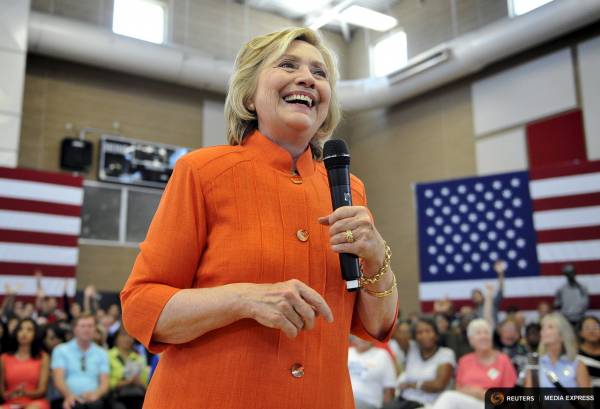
(456, 338)
(428, 370)
(544, 308)
(509, 342)
(400, 342)
(558, 356)
(372, 374)
(128, 372)
(478, 371)
(532, 337)
(589, 350)
(24, 370)
(80, 367)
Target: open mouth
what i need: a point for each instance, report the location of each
(299, 99)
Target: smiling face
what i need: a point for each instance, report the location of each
(25, 333)
(481, 339)
(293, 95)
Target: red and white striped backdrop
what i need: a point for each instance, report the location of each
(39, 229)
(566, 204)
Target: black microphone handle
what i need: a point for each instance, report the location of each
(341, 195)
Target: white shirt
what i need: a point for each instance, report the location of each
(398, 352)
(419, 370)
(371, 372)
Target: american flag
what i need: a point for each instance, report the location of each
(535, 220)
(39, 230)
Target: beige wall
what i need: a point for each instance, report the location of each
(59, 92)
(427, 138)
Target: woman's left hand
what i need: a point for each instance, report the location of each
(368, 243)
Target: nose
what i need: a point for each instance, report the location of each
(305, 77)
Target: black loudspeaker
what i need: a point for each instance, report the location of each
(75, 154)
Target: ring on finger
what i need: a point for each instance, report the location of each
(349, 236)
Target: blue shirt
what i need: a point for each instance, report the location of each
(82, 368)
(565, 369)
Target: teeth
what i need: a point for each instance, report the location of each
(295, 97)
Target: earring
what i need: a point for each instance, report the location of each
(251, 107)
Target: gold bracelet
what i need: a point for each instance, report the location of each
(381, 294)
(386, 264)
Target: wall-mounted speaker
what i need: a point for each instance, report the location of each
(75, 154)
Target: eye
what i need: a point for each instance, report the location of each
(287, 65)
(320, 73)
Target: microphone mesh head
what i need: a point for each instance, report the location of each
(336, 153)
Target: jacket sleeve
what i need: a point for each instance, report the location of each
(169, 257)
(358, 327)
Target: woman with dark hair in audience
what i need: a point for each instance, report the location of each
(478, 371)
(428, 370)
(24, 371)
(400, 342)
(589, 350)
(558, 356)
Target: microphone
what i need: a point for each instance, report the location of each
(337, 162)
(553, 378)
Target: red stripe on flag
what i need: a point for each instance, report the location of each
(16, 236)
(575, 168)
(567, 202)
(522, 303)
(25, 269)
(581, 267)
(574, 234)
(39, 207)
(44, 177)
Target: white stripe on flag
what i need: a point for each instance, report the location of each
(538, 286)
(26, 285)
(567, 218)
(584, 250)
(39, 222)
(564, 186)
(44, 192)
(38, 254)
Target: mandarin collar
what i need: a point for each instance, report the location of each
(277, 157)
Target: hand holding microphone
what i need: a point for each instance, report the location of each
(352, 231)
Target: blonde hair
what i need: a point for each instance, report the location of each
(242, 85)
(569, 342)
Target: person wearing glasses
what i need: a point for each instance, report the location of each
(80, 367)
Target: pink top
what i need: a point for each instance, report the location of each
(500, 374)
(22, 372)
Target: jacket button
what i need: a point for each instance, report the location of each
(302, 235)
(297, 370)
(297, 180)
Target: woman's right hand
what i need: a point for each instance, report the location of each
(290, 306)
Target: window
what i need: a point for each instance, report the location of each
(141, 19)
(116, 215)
(389, 54)
(518, 7)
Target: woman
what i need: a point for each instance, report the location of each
(589, 350)
(399, 344)
(509, 342)
(558, 356)
(428, 369)
(238, 280)
(24, 371)
(478, 371)
(128, 372)
(372, 373)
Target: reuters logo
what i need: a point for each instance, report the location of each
(497, 398)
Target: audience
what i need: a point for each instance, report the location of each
(478, 371)
(24, 370)
(558, 356)
(428, 369)
(372, 374)
(589, 350)
(87, 375)
(80, 367)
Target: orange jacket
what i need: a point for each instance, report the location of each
(233, 214)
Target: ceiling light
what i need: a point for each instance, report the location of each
(364, 17)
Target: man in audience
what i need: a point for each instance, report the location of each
(80, 368)
(572, 298)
